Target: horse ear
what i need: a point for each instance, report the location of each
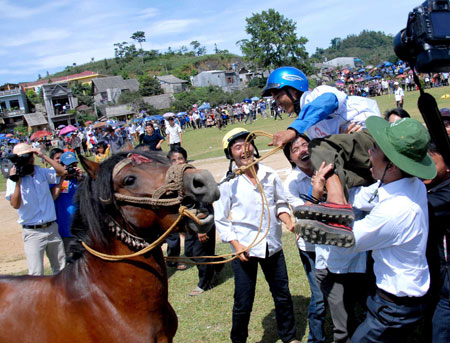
(89, 166)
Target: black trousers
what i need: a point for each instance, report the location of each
(274, 268)
(193, 247)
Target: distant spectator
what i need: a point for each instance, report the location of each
(114, 140)
(102, 154)
(174, 134)
(395, 114)
(151, 137)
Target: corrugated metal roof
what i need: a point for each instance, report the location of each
(115, 82)
(170, 79)
(35, 119)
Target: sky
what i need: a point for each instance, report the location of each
(41, 36)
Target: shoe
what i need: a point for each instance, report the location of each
(326, 211)
(181, 267)
(196, 291)
(318, 232)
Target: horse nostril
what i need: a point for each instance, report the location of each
(198, 184)
(201, 186)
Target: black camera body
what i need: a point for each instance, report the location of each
(71, 171)
(425, 42)
(23, 167)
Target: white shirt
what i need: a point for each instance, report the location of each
(396, 231)
(36, 206)
(351, 109)
(296, 183)
(240, 198)
(398, 93)
(174, 133)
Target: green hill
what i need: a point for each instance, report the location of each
(370, 46)
(179, 64)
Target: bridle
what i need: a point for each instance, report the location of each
(173, 185)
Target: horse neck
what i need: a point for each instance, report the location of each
(141, 278)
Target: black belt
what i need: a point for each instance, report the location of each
(408, 301)
(39, 226)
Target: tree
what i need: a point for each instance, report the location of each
(195, 45)
(336, 43)
(120, 49)
(273, 42)
(32, 97)
(139, 36)
(149, 86)
(83, 93)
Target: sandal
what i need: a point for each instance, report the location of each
(196, 291)
(181, 267)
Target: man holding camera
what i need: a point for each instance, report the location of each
(27, 190)
(64, 193)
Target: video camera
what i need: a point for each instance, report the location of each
(425, 42)
(23, 167)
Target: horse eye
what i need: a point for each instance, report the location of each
(129, 180)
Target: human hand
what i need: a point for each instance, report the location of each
(282, 137)
(203, 237)
(241, 253)
(319, 179)
(12, 171)
(38, 152)
(352, 127)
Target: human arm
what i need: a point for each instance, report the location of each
(60, 170)
(168, 138)
(282, 207)
(318, 109)
(158, 146)
(56, 191)
(286, 219)
(13, 193)
(224, 226)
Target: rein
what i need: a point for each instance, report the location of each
(183, 212)
(265, 204)
(174, 183)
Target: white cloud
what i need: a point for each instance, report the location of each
(148, 13)
(11, 10)
(171, 26)
(39, 35)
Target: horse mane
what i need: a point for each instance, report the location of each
(92, 216)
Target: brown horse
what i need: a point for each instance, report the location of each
(123, 204)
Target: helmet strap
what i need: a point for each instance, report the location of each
(296, 103)
(230, 166)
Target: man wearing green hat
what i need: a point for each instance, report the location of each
(395, 230)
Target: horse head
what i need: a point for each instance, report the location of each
(140, 194)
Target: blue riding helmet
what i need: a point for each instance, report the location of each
(286, 76)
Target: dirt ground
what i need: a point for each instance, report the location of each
(12, 258)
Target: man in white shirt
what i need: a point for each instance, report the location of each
(29, 193)
(174, 133)
(298, 182)
(332, 272)
(398, 94)
(241, 198)
(395, 230)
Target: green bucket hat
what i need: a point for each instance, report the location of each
(405, 143)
